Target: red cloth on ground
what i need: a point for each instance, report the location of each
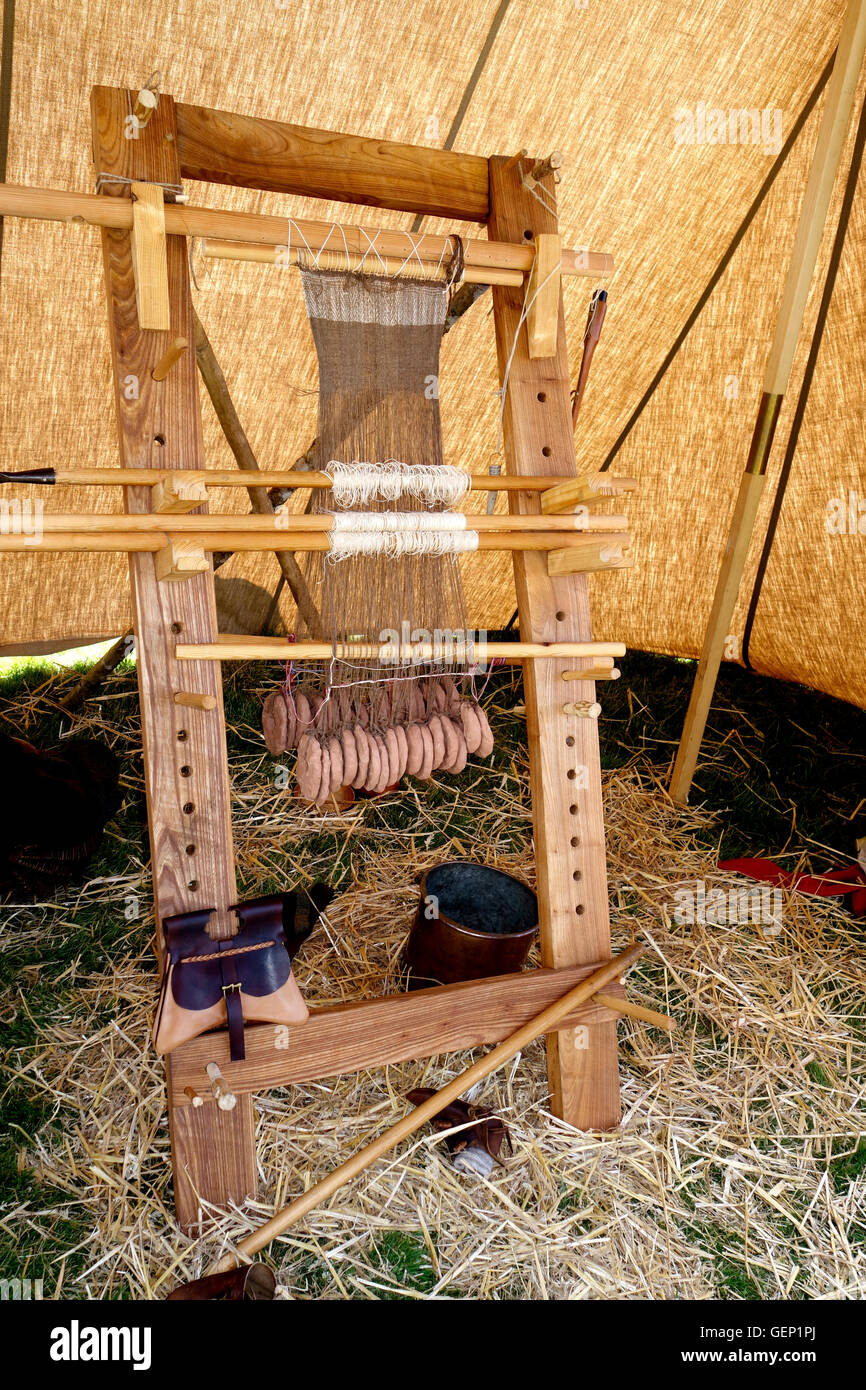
(849, 881)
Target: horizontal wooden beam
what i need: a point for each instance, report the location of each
(276, 256)
(265, 477)
(169, 518)
(380, 1032)
(230, 647)
(250, 152)
(58, 205)
(239, 539)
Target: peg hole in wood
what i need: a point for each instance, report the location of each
(177, 627)
(572, 810)
(192, 885)
(579, 909)
(571, 774)
(527, 236)
(182, 735)
(574, 842)
(561, 616)
(569, 742)
(186, 771)
(159, 439)
(547, 451)
(542, 396)
(188, 808)
(577, 875)
(190, 849)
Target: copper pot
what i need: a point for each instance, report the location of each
(472, 921)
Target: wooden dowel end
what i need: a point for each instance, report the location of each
(637, 1011)
(224, 1097)
(194, 699)
(166, 362)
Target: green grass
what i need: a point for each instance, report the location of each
(782, 765)
(848, 1168)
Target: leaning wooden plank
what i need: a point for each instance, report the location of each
(221, 147)
(186, 779)
(379, 1032)
(565, 773)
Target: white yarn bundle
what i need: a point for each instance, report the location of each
(357, 484)
(393, 534)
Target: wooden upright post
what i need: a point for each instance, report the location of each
(186, 769)
(564, 763)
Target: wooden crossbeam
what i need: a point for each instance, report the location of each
(381, 1032)
(223, 147)
(257, 229)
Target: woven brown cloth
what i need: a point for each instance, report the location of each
(377, 341)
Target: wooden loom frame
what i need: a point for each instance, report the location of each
(186, 773)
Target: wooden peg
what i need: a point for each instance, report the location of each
(593, 673)
(225, 1099)
(575, 492)
(606, 553)
(144, 106)
(149, 264)
(542, 167)
(542, 319)
(193, 1096)
(585, 709)
(629, 1010)
(167, 361)
(178, 494)
(600, 663)
(515, 159)
(179, 560)
(194, 699)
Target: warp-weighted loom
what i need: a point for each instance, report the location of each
(169, 537)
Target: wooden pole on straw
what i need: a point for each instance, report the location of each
(542, 1023)
(831, 136)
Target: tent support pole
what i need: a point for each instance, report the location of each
(822, 176)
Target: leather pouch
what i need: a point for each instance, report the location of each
(211, 983)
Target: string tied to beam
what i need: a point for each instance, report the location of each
(174, 190)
